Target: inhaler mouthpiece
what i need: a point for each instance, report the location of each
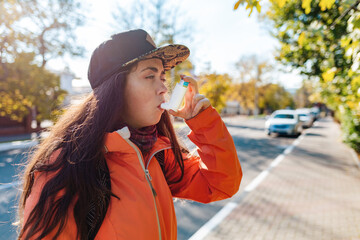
(176, 97)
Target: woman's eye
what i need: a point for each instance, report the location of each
(150, 77)
(163, 79)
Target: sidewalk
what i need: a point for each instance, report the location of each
(313, 194)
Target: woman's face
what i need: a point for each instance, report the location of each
(144, 92)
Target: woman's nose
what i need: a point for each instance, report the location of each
(163, 89)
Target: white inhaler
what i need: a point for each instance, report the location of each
(176, 97)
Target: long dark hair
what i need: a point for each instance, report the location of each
(79, 137)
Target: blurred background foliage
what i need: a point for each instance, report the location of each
(32, 33)
(321, 39)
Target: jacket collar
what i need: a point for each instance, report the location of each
(115, 142)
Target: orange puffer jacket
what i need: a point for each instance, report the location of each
(145, 209)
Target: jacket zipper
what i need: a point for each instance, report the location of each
(147, 172)
(147, 165)
(148, 179)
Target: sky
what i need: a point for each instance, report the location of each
(220, 37)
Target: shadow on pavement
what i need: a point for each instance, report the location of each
(314, 134)
(194, 212)
(253, 152)
(327, 160)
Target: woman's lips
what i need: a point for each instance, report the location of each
(160, 105)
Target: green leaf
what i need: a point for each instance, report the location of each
(356, 23)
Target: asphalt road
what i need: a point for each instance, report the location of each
(255, 151)
(10, 168)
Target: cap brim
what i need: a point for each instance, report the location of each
(171, 55)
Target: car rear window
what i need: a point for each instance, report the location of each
(284, 116)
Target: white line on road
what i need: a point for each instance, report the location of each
(213, 222)
(226, 210)
(9, 185)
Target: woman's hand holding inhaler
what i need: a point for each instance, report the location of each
(194, 102)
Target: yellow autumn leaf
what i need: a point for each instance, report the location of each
(237, 4)
(326, 4)
(315, 97)
(301, 39)
(329, 75)
(351, 104)
(355, 84)
(306, 4)
(251, 9)
(345, 42)
(258, 7)
(280, 3)
(356, 81)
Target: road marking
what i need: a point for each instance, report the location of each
(213, 222)
(9, 185)
(226, 210)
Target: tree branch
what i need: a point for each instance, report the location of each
(353, 6)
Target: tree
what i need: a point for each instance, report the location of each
(53, 25)
(44, 27)
(274, 97)
(321, 38)
(243, 93)
(34, 32)
(315, 41)
(28, 86)
(305, 4)
(253, 70)
(138, 16)
(271, 96)
(10, 32)
(215, 86)
(303, 95)
(158, 18)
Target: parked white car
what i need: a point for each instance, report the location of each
(306, 117)
(284, 122)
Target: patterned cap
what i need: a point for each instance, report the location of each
(126, 48)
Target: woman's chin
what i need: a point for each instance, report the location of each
(154, 122)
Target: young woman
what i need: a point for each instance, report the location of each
(110, 167)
